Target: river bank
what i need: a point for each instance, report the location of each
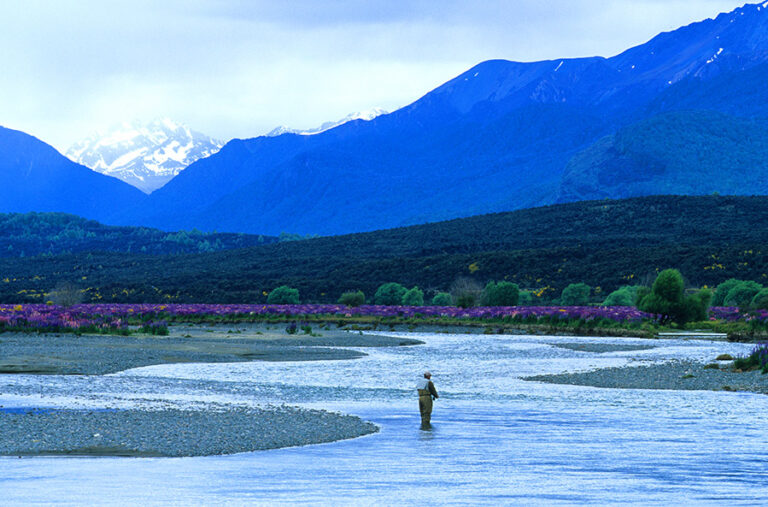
(206, 430)
(70, 354)
(673, 375)
(170, 433)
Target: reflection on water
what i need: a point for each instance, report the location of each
(495, 439)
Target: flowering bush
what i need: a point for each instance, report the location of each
(733, 314)
(758, 359)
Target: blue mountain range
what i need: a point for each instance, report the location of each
(682, 114)
(36, 177)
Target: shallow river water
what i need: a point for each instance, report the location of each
(496, 439)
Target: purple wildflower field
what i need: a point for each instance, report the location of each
(732, 314)
(115, 315)
(107, 317)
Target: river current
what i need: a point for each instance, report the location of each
(496, 439)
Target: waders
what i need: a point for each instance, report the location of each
(425, 406)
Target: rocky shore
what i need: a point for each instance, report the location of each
(601, 348)
(169, 433)
(69, 354)
(208, 429)
(676, 375)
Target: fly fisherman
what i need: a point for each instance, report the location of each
(427, 393)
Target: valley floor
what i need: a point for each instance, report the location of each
(209, 428)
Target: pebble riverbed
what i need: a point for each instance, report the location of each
(38, 364)
(675, 375)
(170, 433)
(68, 354)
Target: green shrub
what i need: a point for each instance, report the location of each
(667, 300)
(390, 294)
(154, 329)
(501, 294)
(722, 291)
(623, 296)
(741, 294)
(525, 298)
(413, 297)
(283, 295)
(352, 298)
(642, 291)
(442, 299)
(666, 297)
(760, 301)
(466, 300)
(576, 294)
(757, 360)
(696, 305)
(669, 285)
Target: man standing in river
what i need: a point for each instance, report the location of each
(427, 393)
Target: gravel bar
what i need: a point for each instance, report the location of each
(674, 375)
(169, 433)
(601, 348)
(69, 354)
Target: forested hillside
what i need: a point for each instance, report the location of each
(32, 234)
(603, 243)
(688, 152)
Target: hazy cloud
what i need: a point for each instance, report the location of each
(237, 68)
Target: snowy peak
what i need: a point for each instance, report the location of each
(367, 115)
(146, 156)
(730, 42)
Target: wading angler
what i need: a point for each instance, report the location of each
(427, 393)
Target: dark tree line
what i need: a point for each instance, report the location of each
(604, 244)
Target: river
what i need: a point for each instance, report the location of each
(496, 439)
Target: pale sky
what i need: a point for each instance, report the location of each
(238, 68)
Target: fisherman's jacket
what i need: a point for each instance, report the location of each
(425, 387)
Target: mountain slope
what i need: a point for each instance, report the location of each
(145, 156)
(360, 115)
(497, 137)
(690, 152)
(35, 177)
(406, 180)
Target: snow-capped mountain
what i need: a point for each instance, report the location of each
(146, 156)
(683, 114)
(361, 115)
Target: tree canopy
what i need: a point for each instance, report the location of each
(667, 299)
(390, 294)
(283, 295)
(576, 294)
(501, 294)
(414, 297)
